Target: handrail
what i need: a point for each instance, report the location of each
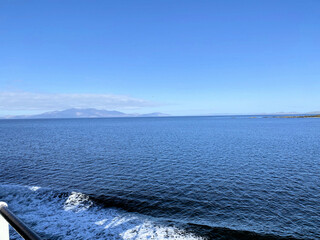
(17, 224)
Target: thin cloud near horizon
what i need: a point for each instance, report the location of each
(28, 101)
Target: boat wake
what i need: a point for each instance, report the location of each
(74, 215)
(63, 215)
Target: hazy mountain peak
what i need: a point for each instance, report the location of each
(86, 113)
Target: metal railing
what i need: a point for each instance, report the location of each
(6, 218)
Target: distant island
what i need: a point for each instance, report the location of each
(299, 116)
(84, 113)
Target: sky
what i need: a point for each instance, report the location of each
(176, 57)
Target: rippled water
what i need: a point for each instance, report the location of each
(177, 177)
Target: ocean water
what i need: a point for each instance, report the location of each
(163, 178)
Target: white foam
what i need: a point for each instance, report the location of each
(119, 220)
(103, 221)
(34, 188)
(77, 202)
(148, 230)
(133, 227)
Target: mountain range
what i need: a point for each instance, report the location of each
(84, 113)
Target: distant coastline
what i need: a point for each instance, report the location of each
(98, 113)
(299, 116)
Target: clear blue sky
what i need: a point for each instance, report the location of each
(178, 57)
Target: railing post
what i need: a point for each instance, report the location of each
(4, 226)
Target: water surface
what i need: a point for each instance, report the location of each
(130, 177)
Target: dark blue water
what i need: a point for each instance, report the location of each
(158, 178)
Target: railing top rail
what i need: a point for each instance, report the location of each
(17, 224)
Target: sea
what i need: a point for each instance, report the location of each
(221, 177)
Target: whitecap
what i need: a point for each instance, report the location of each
(148, 230)
(34, 188)
(103, 221)
(77, 202)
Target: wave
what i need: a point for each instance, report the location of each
(74, 215)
